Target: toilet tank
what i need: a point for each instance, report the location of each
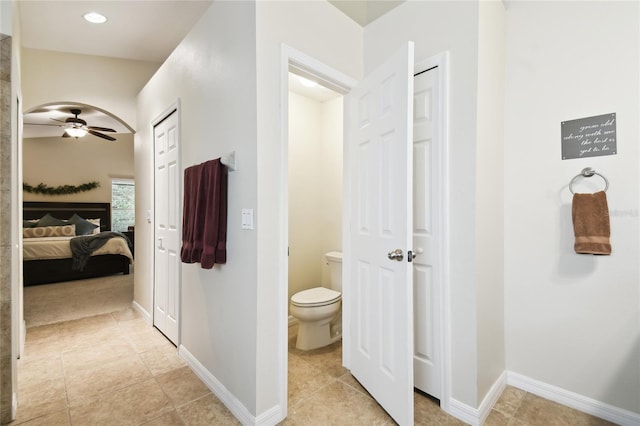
(334, 259)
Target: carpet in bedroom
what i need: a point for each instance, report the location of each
(52, 303)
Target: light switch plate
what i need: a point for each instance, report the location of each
(247, 218)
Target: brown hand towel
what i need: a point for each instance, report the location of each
(590, 214)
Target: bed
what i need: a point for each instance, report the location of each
(55, 264)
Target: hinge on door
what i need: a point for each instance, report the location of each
(410, 256)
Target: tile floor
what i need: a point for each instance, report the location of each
(114, 369)
(322, 392)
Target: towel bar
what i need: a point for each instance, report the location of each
(587, 172)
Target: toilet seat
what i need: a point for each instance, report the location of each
(318, 296)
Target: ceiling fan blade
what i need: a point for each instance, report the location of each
(100, 135)
(43, 124)
(65, 135)
(55, 119)
(101, 129)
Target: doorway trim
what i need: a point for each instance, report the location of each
(305, 65)
(341, 83)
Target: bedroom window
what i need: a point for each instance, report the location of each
(123, 203)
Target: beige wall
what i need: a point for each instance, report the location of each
(572, 321)
(231, 314)
(68, 161)
(108, 83)
(315, 189)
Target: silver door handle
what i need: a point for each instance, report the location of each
(396, 255)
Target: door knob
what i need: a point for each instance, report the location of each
(396, 255)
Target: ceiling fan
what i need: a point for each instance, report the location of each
(76, 127)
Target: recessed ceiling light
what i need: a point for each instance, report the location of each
(306, 82)
(95, 17)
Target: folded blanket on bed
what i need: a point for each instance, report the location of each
(82, 247)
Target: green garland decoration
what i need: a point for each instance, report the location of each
(59, 190)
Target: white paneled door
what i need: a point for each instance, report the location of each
(426, 277)
(379, 138)
(167, 227)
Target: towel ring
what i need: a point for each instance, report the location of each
(587, 172)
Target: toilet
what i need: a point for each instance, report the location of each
(318, 309)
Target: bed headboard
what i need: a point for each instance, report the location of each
(62, 210)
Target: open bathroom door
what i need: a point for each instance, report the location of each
(380, 161)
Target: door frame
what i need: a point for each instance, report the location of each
(441, 61)
(291, 58)
(174, 107)
(305, 65)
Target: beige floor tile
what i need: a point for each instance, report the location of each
(133, 405)
(126, 315)
(348, 379)
(60, 418)
(337, 404)
(205, 411)
(182, 386)
(86, 325)
(39, 370)
(41, 398)
(109, 377)
(87, 358)
(170, 419)
(427, 412)
(162, 359)
(304, 380)
(145, 340)
(509, 401)
(327, 359)
(537, 411)
(497, 418)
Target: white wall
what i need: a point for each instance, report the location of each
(323, 32)
(490, 195)
(58, 161)
(435, 27)
(315, 189)
(572, 321)
(108, 83)
(213, 74)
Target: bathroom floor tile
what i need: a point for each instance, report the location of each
(338, 404)
(132, 405)
(537, 411)
(304, 380)
(182, 386)
(205, 411)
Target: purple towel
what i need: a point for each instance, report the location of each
(204, 219)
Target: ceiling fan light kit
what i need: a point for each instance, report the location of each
(76, 132)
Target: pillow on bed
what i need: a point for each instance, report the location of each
(83, 226)
(49, 231)
(48, 220)
(96, 222)
(29, 223)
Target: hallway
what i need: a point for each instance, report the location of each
(110, 369)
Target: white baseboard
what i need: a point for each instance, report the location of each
(269, 417)
(146, 315)
(464, 412)
(477, 416)
(492, 397)
(570, 399)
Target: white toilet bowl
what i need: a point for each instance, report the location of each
(318, 309)
(315, 309)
